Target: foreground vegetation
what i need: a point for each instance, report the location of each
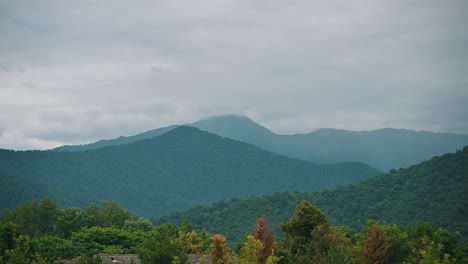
(43, 233)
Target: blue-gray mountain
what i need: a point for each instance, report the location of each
(384, 149)
(172, 172)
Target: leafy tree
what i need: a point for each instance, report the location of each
(219, 250)
(34, 219)
(266, 237)
(377, 249)
(96, 239)
(7, 238)
(137, 224)
(250, 252)
(336, 255)
(306, 233)
(162, 246)
(70, 220)
(53, 248)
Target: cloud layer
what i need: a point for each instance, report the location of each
(79, 71)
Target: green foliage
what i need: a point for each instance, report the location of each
(162, 246)
(34, 219)
(97, 239)
(7, 238)
(250, 251)
(310, 238)
(53, 248)
(307, 234)
(336, 255)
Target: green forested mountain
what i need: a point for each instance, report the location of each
(384, 149)
(16, 190)
(434, 191)
(175, 171)
(117, 141)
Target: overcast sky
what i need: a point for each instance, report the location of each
(78, 71)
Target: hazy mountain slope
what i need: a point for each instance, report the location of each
(434, 191)
(17, 190)
(177, 170)
(384, 149)
(117, 141)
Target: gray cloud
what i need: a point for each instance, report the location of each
(80, 71)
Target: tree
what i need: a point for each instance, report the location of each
(70, 220)
(219, 250)
(307, 234)
(53, 248)
(250, 252)
(266, 237)
(377, 250)
(33, 219)
(97, 239)
(7, 239)
(162, 246)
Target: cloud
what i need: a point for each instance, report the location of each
(81, 71)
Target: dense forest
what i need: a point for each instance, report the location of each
(172, 172)
(383, 149)
(434, 191)
(42, 233)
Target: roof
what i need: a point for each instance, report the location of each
(108, 259)
(196, 258)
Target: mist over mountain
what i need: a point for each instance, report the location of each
(434, 191)
(384, 149)
(179, 169)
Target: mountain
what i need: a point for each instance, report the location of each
(434, 191)
(179, 169)
(117, 141)
(18, 190)
(384, 149)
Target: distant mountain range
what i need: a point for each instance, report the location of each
(384, 149)
(170, 172)
(434, 191)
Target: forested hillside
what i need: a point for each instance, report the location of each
(175, 171)
(434, 191)
(16, 190)
(383, 149)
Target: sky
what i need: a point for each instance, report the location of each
(74, 72)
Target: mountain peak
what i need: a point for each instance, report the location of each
(233, 126)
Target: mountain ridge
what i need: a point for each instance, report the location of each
(434, 191)
(177, 170)
(385, 149)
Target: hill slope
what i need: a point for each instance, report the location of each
(18, 190)
(434, 191)
(384, 149)
(117, 141)
(177, 170)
